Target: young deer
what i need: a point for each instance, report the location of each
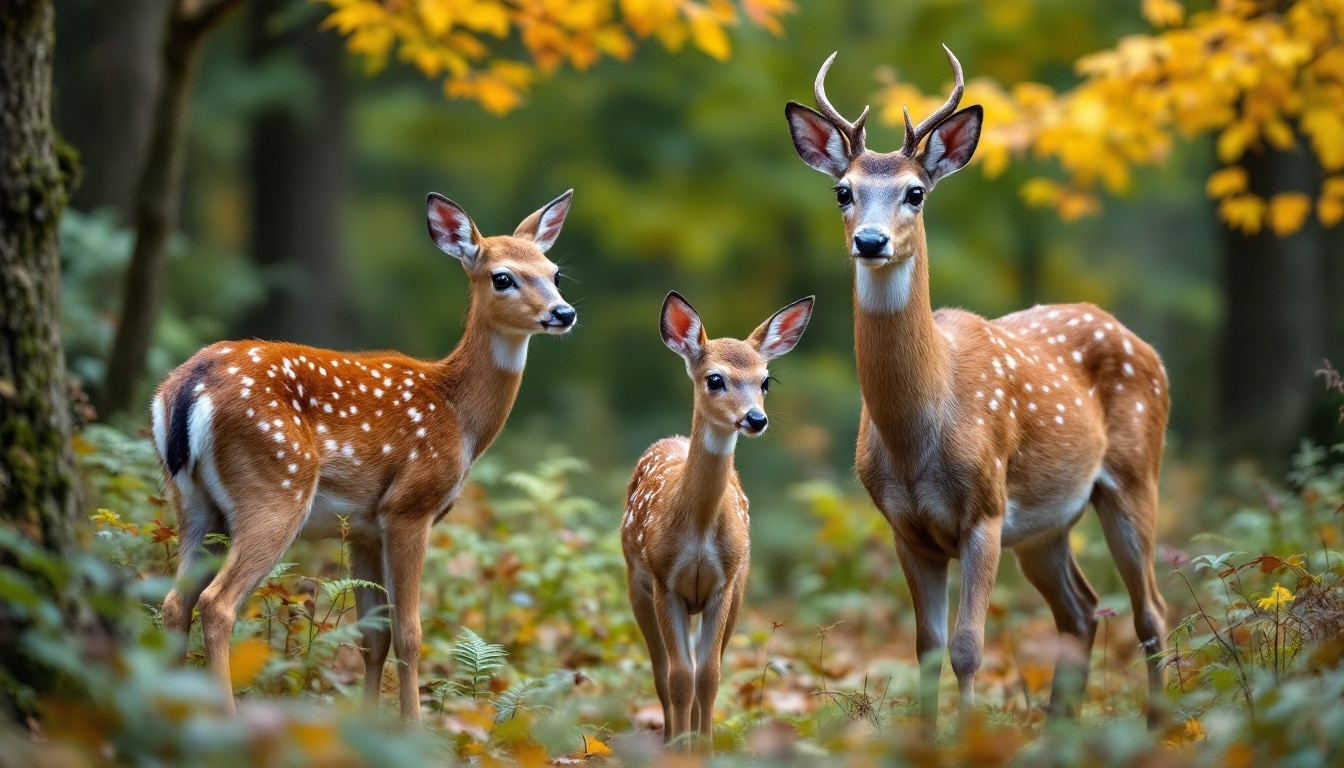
(267, 442)
(980, 435)
(685, 533)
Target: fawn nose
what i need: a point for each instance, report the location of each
(869, 244)
(755, 421)
(564, 315)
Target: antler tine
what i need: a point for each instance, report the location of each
(913, 136)
(853, 131)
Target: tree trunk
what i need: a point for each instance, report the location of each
(36, 488)
(298, 163)
(160, 191)
(1273, 332)
(107, 74)
(38, 493)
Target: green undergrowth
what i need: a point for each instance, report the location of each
(531, 656)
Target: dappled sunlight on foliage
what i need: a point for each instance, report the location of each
(461, 40)
(1253, 75)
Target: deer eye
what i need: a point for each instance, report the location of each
(714, 382)
(843, 196)
(557, 277)
(502, 281)
(914, 196)
(765, 385)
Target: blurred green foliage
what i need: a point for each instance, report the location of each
(203, 295)
(685, 179)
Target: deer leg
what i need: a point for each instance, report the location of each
(256, 548)
(715, 628)
(674, 628)
(1052, 569)
(405, 543)
(927, 577)
(366, 564)
(641, 603)
(1128, 519)
(197, 518)
(979, 568)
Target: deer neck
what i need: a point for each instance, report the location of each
(903, 360)
(704, 477)
(481, 379)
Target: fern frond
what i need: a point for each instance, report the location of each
(511, 702)
(476, 660)
(336, 587)
(280, 569)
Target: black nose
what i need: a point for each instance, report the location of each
(564, 315)
(870, 243)
(755, 420)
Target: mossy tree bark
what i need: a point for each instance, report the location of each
(38, 491)
(36, 464)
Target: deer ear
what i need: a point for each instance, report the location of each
(681, 328)
(781, 332)
(952, 143)
(544, 225)
(818, 142)
(452, 229)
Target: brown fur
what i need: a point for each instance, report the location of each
(685, 533)
(978, 435)
(298, 436)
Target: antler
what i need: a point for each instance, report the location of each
(853, 131)
(913, 135)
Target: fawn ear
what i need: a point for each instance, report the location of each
(452, 229)
(543, 226)
(782, 331)
(952, 143)
(818, 142)
(681, 328)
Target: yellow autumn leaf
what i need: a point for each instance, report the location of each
(1329, 211)
(246, 659)
(592, 747)
(1232, 142)
(437, 14)
(314, 737)
(1074, 205)
(1324, 127)
(490, 17)
(1163, 13)
(1040, 192)
(1278, 596)
(708, 35)
(1194, 730)
(1227, 181)
(1279, 134)
(1287, 212)
(1243, 212)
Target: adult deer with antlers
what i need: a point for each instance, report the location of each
(980, 435)
(685, 532)
(267, 442)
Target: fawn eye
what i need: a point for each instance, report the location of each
(714, 382)
(843, 196)
(914, 197)
(557, 278)
(503, 281)
(765, 385)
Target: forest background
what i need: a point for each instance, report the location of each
(302, 219)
